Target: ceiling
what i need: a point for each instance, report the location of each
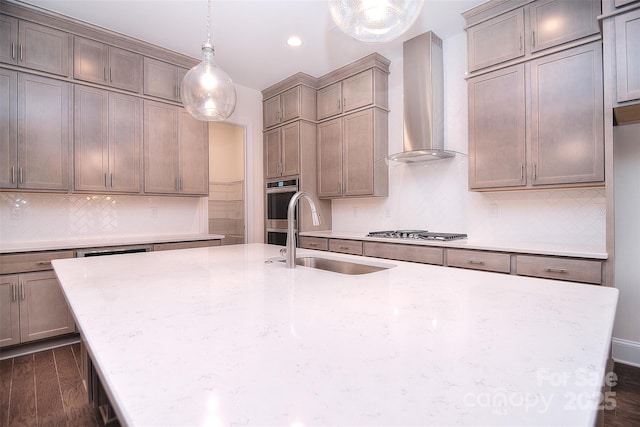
(250, 36)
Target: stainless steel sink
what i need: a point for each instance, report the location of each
(338, 266)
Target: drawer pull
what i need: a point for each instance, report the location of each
(14, 291)
(556, 270)
(22, 291)
(474, 262)
(43, 262)
(313, 245)
(344, 248)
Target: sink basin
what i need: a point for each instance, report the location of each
(338, 266)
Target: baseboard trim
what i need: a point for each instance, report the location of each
(626, 352)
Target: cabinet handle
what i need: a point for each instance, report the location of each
(13, 174)
(20, 175)
(43, 263)
(111, 179)
(105, 180)
(338, 188)
(533, 39)
(344, 248)
(20, 48)
(22, 291)
(339, 103)
(14, 292)
(520, 49)
(556, 270)
(535, 171)
(313, 245)
(110, 77)
(521, 171)
(13, 50)
(474, 262)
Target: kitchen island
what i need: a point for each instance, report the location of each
(228, 336)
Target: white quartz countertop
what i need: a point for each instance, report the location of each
(216, 336)
(95, 242)
(501, 246)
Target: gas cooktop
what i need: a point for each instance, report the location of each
(416, 235)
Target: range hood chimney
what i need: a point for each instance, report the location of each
(423, 89)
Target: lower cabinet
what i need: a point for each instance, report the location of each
(185, 245)
(317, 243)
(33, 307)
(479, 260)
(574, 270)
(400, 252)
(353, 247)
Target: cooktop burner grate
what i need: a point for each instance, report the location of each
(417, 235)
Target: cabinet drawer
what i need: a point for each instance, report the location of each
(412, 253)
(31, 261)
(575, 270)
(318, 243)
(477, 260)
(345, 246)
(185, 245)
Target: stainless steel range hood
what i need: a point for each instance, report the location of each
(423, 88)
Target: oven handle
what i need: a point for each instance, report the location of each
(289, 189)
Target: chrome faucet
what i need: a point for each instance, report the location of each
(291, 238)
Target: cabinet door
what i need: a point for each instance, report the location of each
(357, 161)
(567, 136)
(272, 153)
(271, 111)
(9, 314)
(329, 101)
(43, 133)
(43, 48)
(193, 144)
(161, 79)
(8, 39)
(290, 101)
(90, 60)
(160, 148)
(497, 134)
(8, 128)
(357, 91)
(628, 56)
(496, 40)
(44, 312)
(125, 143)
(125, 69)
(290, 149)
(554, 22)
(330, 158)
(91, 144)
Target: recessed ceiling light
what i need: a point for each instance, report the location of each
(294, 41)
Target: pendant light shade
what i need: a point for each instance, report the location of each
(207, 92)
(375, 21)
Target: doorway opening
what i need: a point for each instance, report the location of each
(227, 204)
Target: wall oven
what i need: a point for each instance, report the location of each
(278, 195)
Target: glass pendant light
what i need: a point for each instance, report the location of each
(207, 92)
(375, 21)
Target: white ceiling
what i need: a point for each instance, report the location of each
(249, 35)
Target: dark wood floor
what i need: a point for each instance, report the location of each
(45, 389)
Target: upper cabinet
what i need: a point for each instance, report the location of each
(363, 89)
(176, 151)
(495, 37)
(627, 28)
(108, 65)
(298, 102)
(162, 79)
(34, 130)
(34, 46)
(282, 151)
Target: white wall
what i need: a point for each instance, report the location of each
(626, 148)
(39, 217)
(434, 195)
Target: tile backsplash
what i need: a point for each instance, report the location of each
(41, 217)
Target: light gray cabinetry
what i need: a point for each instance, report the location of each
(479, 260)
(567, 129)
(9, 310)
(627, 27)
(353, 247)
(564, 141)
(34, 46)
(412, 253)
(317, 243)
(298, 102)
(497, 120)
(497, 40)
(351, 151)
(282, 150)
(175, 151)
(162, 79)
(108, 141)
(575, 270)
(108, 65)
(34, 126)
(521, 32)
(363, 89)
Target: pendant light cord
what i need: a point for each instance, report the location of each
(209, 21)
